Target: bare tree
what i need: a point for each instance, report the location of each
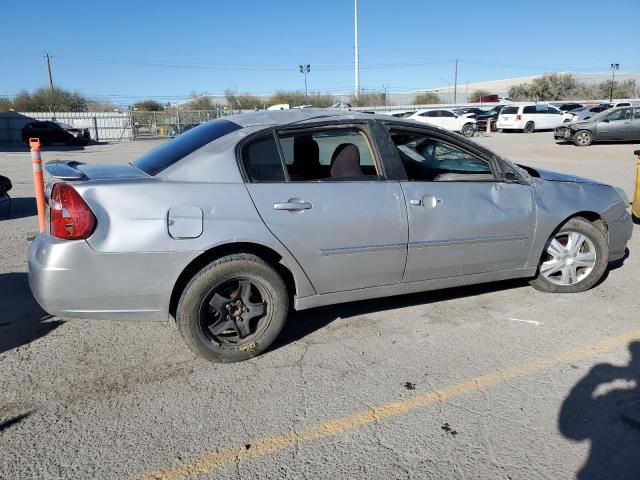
(426, 98)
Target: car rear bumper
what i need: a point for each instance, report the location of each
(69, 279)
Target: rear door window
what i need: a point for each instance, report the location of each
(330, 154)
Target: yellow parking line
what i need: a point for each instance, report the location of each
(224, 457)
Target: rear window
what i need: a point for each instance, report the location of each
(174, 150)
(509, 110)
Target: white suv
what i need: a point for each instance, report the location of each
(446, 119)
(531, 117)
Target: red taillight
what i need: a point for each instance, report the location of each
(70, 216)
(518, 117)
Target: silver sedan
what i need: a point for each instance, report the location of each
(231, 224)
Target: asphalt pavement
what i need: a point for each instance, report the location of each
(497, 381)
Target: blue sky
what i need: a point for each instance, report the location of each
(127, 50)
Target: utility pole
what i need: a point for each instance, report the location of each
(455, 84)
(306, 68)
(46, 56)
(614, 67)
(355, 53)
(385, 87)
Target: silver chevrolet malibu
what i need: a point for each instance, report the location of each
(231, 224)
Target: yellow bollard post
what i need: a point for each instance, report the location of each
(635, 206)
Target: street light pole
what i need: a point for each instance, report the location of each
(356, 55)
(614, 67)
(304, 69)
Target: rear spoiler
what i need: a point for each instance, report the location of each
(65, 169)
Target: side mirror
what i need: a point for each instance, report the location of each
(606, 120)
(510, 177)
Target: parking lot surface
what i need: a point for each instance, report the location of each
(494, 381)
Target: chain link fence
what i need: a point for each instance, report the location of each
(172, 122)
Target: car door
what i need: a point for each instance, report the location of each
(617, 125)
(555, 117)
(463, 220)
(432, 117)
(635, 125)
(40, 130)
(450, 121)
(322, 193)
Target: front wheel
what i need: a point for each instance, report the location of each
(468, 130)
(583, 138)
(574, 260)
(233, 309)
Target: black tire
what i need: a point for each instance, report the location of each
(598, 240)
(494, 127)
(196, 314)
(529, 127)
(583, 138)
(468, 130)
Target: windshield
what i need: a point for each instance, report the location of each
(174, 150)
(64, 125)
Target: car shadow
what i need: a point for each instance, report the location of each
(20, 207)
(303, 323)
(21, 318)
(603, 142)
(604, 408)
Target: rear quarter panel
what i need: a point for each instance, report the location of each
(132, 218)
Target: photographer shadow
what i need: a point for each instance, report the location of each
(604, 408)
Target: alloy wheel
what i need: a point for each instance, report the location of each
(235, 312)
(583, 138)
(571, 256)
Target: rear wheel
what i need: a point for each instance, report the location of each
(574, 260)
(529, 127)
(233, 309)
(583, 138)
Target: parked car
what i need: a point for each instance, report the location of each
(616, 124)
(489, 115)
(228, 225)
(469, 112)
(447, 119)
(585, 113)
(567, 107)
(55, 132)
(530, 117)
